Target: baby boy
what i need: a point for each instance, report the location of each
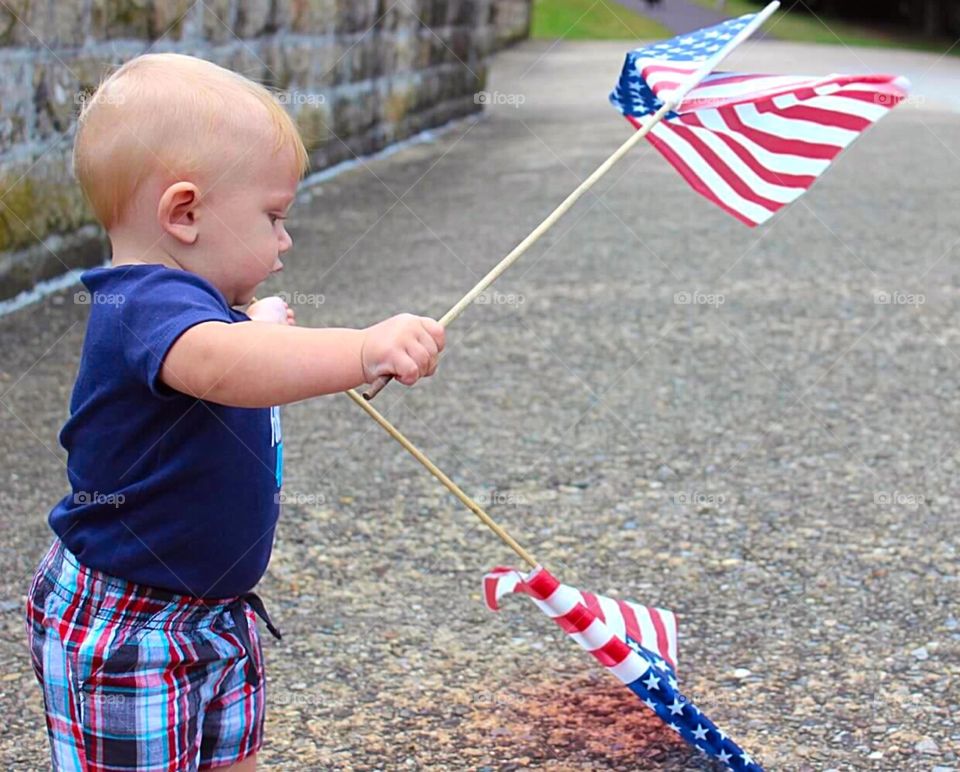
(141, 616)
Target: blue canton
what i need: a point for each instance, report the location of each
(632, 96)
(658, 689)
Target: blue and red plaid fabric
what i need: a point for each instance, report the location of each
(139, 678)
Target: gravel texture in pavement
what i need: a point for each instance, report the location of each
(755, 428)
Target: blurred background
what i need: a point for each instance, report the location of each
(755, 428)
(358, 75)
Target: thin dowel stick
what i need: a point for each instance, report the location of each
(552, 218)
(449, 484)
(537, 232)
(675, 99)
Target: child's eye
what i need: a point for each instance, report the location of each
(275, 217)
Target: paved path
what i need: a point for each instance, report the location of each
(677, 15)
(781, 469)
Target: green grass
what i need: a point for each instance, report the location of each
(591, 20)
(802, 27)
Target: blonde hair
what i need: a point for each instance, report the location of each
(172, 113)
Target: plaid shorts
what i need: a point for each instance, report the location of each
(139, 678)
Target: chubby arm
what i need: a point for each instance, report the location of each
(251, 364)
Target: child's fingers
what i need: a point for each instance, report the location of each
(421, 356)
(435, 330)
(406, 369)
(428, 342)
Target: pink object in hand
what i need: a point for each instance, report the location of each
(272, 309)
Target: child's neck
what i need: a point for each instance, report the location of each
(126, 251)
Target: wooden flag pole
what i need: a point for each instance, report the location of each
(675, 98)
(459, 307)
(449, 484)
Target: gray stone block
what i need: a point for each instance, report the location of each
(47, 24)
(355, 74)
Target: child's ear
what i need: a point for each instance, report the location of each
(177, 211)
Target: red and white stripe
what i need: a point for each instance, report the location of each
(754, 143)
(665, 77)
(599, 624)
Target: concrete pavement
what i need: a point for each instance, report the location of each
(780, 467)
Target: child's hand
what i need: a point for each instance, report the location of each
(272, 309)
(404, 346)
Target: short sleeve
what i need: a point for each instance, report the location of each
(163, 305)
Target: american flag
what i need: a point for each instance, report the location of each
(637, 644)
(750, 143)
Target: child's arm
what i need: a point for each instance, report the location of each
(260, 365)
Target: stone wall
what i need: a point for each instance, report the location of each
(357, 74)
(511, 21)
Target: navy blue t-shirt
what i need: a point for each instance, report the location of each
(168, 490)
